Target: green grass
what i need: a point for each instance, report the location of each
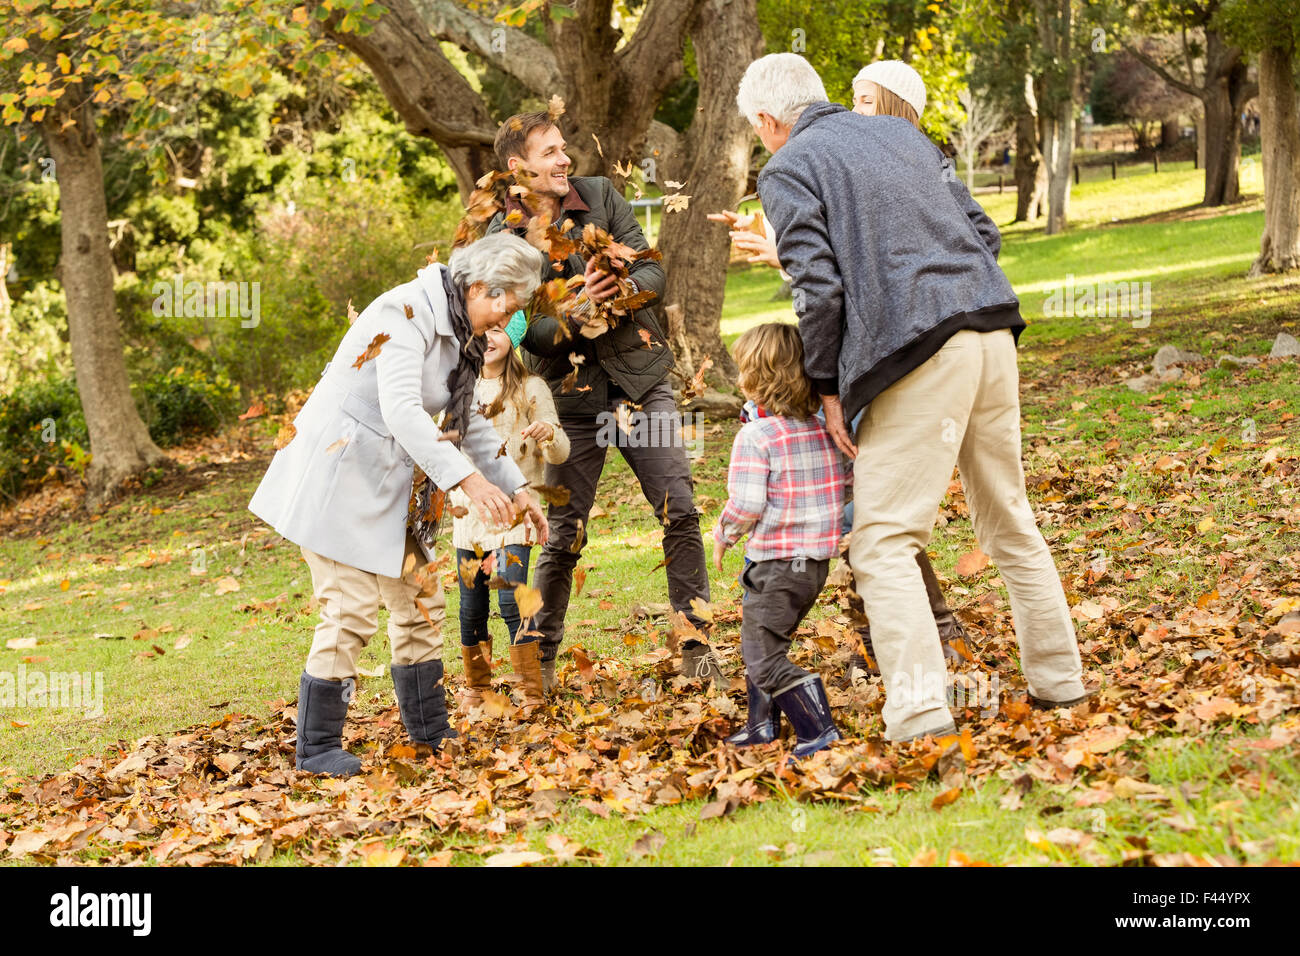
(106, 594)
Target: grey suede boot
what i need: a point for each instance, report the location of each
(322, 708)
(422, 701)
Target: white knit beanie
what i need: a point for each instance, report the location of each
(897, 77)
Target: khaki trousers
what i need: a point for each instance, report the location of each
(961, 407)
(349, 615)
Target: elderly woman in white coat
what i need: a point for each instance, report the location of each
(340, 488)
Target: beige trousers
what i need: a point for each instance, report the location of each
(961, 407)
(349, 616)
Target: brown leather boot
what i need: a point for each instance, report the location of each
(528, 665)
(478, 672)
(950, 629)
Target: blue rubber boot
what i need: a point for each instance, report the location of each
(763, 724)
(809, 712)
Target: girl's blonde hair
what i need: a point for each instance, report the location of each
(514, 378)
(889, 103)
(770, 360)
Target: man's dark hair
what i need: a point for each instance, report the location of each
(514, 133)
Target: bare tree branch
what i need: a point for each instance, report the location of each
(1158, 68)
(513, 51)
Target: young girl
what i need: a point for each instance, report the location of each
(786, 491)
(521, 409)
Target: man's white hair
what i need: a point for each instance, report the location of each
(782, 85)
(502, 261)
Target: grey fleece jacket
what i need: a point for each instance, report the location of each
(888, 254)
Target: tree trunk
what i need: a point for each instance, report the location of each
(1170, 132)
(1031, 177)
(1222, 148)
(1056, 107)
(714, 165)
(1279, 249)
(1227, 89)
(119, 441)
(1058, 148)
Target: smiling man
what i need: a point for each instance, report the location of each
(613, 368)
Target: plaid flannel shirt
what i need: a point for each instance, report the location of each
(785, 490)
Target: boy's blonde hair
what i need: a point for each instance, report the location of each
(770, 360)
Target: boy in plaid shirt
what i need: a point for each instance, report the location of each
(786, 491)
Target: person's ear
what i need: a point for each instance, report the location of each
(475, 290)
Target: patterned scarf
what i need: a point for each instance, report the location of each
(427, 500)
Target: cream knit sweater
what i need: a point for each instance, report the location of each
(531, 458)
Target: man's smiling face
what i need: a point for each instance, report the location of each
(544, 156)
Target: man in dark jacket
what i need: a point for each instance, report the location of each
(616, 367)
(905, 312)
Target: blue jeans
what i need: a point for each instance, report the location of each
(475, 602)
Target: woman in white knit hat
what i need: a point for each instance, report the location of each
(889, 88)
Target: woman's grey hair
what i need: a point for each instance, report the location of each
(503, 262)
(782, 85)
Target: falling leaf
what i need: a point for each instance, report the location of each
(372, 350)
(598, 149)
(669, 184)
(556, 495)
(410, 314)
(702, 608)
(286, 434)
(528, 600)
(469, 571)
(676, 203)
(254, 410)
(555, 107)
(353, 314)
(576, 546)
(336, 445)
(623, 171)
(579, 579)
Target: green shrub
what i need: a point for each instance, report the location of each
(187, 402)
(43, 433)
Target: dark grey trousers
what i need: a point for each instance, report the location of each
(654, 449)
(778, 595)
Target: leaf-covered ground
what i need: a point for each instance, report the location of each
(1176, 529)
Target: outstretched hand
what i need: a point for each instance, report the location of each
(492, 504)
(533, 516)
(761, 248)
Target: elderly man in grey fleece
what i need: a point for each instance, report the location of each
(905, 312)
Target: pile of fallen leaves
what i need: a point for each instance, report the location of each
(623, 737)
